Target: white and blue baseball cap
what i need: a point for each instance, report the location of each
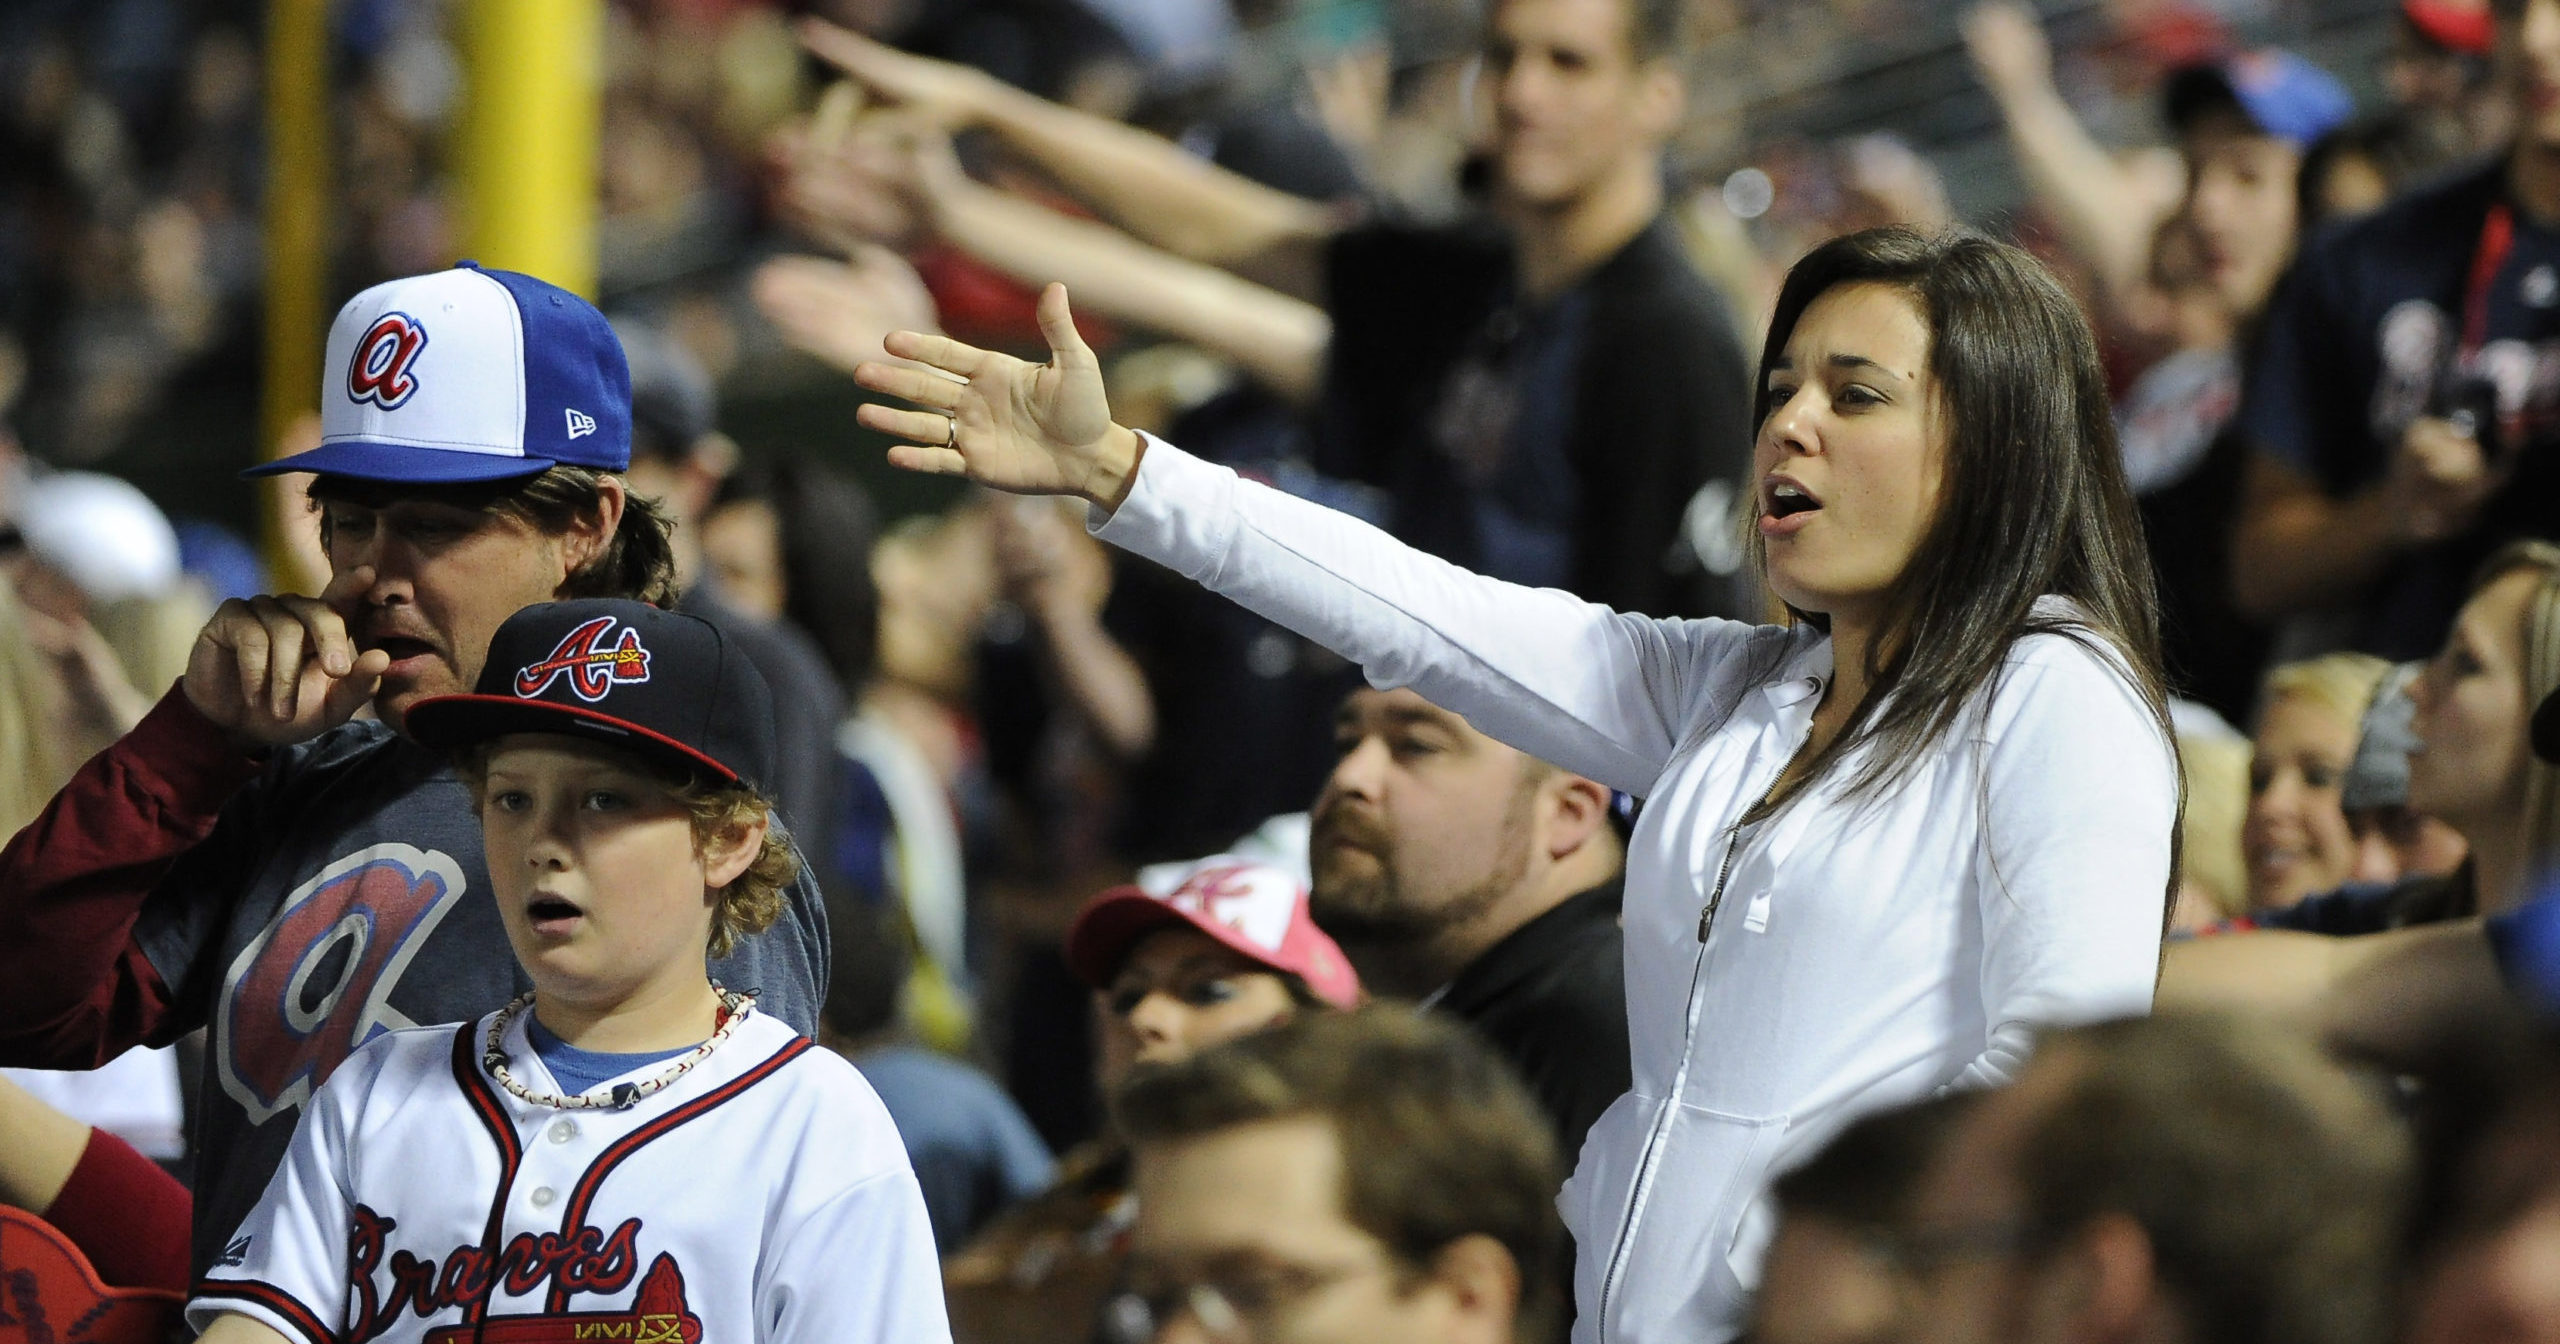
(468, 375)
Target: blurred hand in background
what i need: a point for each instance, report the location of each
(840, 310)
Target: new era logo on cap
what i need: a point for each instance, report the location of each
(469, 375)
(591, 665)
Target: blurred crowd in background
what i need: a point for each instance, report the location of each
(998, 718)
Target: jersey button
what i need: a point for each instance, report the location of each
(563, 1130)
(542, 1196)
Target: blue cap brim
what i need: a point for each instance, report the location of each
(368, 460)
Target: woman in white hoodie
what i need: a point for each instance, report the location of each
(1882, 842)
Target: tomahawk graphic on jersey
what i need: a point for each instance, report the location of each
(421, 1203)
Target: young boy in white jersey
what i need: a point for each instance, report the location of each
(630, 1154)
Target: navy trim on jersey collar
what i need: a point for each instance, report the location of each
(575, 1215)
(484, 1103)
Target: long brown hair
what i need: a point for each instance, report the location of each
(2034, 503)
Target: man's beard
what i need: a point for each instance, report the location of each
(1358, 900)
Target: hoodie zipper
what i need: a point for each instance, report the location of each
(1733, 838)
(1688, 1037)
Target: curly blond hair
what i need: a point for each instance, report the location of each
(753, 900)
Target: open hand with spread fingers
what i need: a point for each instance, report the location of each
(1030, 429)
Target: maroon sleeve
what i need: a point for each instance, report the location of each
(74, 881)
(127, 1215)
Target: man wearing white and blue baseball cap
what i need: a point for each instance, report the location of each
(468, 375)
(253, 858)
(475, 410)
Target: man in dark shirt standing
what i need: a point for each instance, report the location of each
(1484, 882)
(1551, 394)
(1547, 393)
(2404, 406)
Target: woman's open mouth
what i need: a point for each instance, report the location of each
(1785, 507)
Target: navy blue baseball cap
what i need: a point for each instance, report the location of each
(469, 374)
(663, 685)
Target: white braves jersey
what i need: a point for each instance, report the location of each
(762, 1198)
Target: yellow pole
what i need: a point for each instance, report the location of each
(296, 239)
(529, 130)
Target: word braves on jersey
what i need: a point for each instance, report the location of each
(764, 1196)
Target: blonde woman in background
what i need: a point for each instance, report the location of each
(2295, 841)
(2474, 768)
(2349, 962)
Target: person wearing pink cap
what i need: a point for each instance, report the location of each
(1188, 957)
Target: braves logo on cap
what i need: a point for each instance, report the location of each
(379, 372)
(590, 664)
(1251, 899)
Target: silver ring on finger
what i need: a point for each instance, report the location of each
(950, 431)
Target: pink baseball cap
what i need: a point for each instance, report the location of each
(1258, 910)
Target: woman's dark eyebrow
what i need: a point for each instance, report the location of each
(1861, 362)
(1783, 364)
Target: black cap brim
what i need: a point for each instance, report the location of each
(450, 722)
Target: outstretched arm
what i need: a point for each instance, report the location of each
(1280, 341)
(895, 179)
(2391, 996)
(2103, 213)
(1141, 182)
(1602, 694)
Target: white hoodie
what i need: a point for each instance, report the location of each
(1862, 955)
